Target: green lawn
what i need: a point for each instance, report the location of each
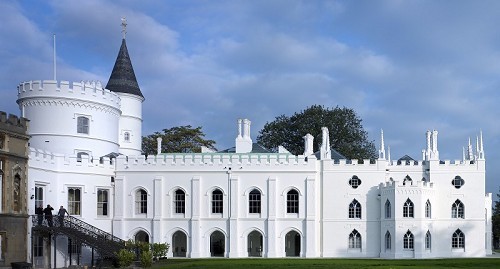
(328, 263)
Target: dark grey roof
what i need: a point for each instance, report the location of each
(122, 77)
(406, 158)
(256, 148)
(334, 154)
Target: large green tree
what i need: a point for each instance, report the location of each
(347, 135)
(495, 219)
(181, 139)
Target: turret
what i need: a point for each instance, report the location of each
(124, 83)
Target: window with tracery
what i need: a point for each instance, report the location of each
(408, 209)
(354, 209)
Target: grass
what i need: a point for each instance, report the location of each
(475, 263)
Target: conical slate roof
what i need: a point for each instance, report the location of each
(122, 77)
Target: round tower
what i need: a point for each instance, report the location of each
(124, 83)
(72, 119)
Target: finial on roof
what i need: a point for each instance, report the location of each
(124, 27)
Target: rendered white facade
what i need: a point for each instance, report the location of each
(245, 204)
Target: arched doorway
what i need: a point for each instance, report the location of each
(292, 244)
(254, 244)
(217, 244)
(179, 244)
(142, 236)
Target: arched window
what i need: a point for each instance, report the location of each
(408, 240)
(82, 125)
(428, 240)
(354, 210)
(408, 209)
(388, 240)
(457, 210)
(407, 180)
(354, 181)
(217, 204)
(458, 239)
(254, 201)
(388, 209)
(458, 182)
(428, 209)
(126, 136)
(17, 193)
(180, 201)
(141, 202)
(354, 239)
(292, 201)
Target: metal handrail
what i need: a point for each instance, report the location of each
(85, 232)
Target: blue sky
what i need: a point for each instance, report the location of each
(404, 66)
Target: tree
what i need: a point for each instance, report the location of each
(182, 139)
(347, 135)
(495, 222)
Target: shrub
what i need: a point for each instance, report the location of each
(146, 259)
(159, 250)
(125, 257)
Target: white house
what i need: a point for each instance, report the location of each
(245, 201)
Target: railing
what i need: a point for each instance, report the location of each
(84, 232)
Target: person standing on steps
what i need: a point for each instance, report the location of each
(48, 214)
(61, 213)
(39, 214)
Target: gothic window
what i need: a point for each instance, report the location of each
(388, 209)
(126, 137)
(354, 239)
(458, 182)
(141, 202)
(17, 193)
(354, 210)
(408, 209)
(102, 202)
(388, 240)
(292, 201)
(428, 240)
(74, 201)
(217, 204)
(457, 210)
(82, 125)
(458, 239)
(354, 182)
(180, 201)
(2, 141)
(408, 180)
(408, 241)
(254, 201)
(428, 209)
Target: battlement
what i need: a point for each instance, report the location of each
(13, 123)
(90, 91)
(51, 161)
(392, 184)
(215, 160)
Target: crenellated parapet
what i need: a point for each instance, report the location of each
(42, 159)
(408, 187)
(13, 124)
(50, 92)
(215, 160)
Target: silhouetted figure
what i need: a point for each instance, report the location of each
(48, 214)
(61, 213)
(39, 214)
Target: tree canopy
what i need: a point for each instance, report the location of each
(347, 135)
(181, 139)
(495, 219)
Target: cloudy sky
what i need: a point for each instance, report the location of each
(404, 66)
